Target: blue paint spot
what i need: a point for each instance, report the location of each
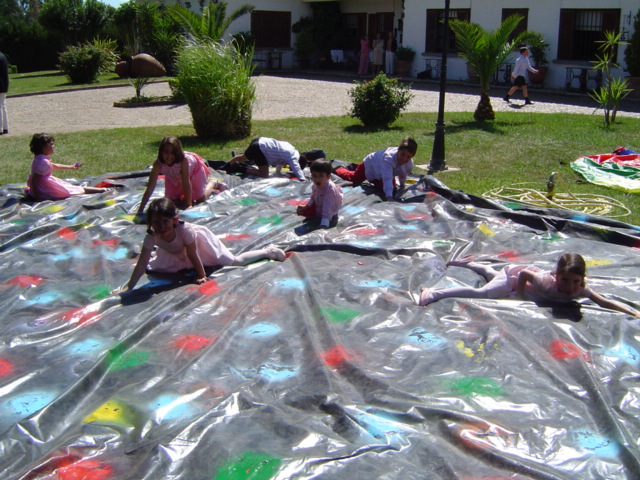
(365, 244)
(264, 229)
(292, 283)
(87, 347)
(352, 210)
(263, 329)
(25, 404)
(190, 214)
(408, 208)
(427, 340)
(273, 192)
(117, 254)
(600, 446)
(45, 298)
(407, 227)
(171, 406)
(156, 283)
(274, 373)
(382, 429)
(377, 283)
(579, 218)
(623, 352)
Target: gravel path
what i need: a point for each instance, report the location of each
(277, 97)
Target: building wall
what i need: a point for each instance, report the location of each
(544, 17)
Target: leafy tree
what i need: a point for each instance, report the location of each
(484, 52)
(75, 21)
(211, 24)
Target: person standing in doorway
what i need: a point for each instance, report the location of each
(391, 45)
(363, 68)
(378, 53)
(518, 76)
(4, 88)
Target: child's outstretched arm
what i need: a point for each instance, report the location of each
(523, 277)
(186, 183)
(613, 305)
(192, 253)
(151, 186)
(138, 271)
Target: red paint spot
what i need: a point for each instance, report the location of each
(336, 356)
(368, 231)
(52, 464)
(296, 203)
(192, 343)
(6, 367)
(418, 216)
(208, 288)
(81, 315)
(561, 350)
(85, 470)
(104, 184)
(230, 237)
(66, 233)
(25, 281)
(112, 242)
(508, 255)
(289, 254)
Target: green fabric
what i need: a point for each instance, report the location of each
(609, 174)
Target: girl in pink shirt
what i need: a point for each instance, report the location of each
(186, 246)
(326, 196)
(41, 185)
(185, 173)
(563, 285)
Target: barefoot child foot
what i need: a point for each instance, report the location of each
(461, 261)
(424, 297)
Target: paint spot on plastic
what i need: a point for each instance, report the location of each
(599, 445)
(596, 262)
(111, 243)
(85, 470)
(113, 412)
(232, 237)
(275, 373)
(263, 329)
(51, 209)
(296, 203)
(193, 214)
(335, 356)
(44, 298)
(249, 466)
(291, 283)
(625, 353)
(129, 360)
(67, 233)
(192, 343)
(477, 386)
(351, 210)
(87, 346)
(247, 202)
(172, 406)
(272, 220)
(25, 281)
(340, 315)
(426, 339)
(208, 288)
(6, 367)
(273, 192)
(25, 404)
(368, 231)
(486, 230)
(81, 315)
(563, 350)
(377, 284)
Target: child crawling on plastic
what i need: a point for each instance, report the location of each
(326, 196)
(185, 246)
(564, 284)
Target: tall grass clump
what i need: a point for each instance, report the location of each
(215, 81)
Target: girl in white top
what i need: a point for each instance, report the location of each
(265, 152)
(563, 285)
(186, 246)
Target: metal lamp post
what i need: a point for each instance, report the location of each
(438, 162)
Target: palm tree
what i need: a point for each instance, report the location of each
(485, 52)
(211, 24)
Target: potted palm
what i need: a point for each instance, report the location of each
(632, 58)
(404, 59)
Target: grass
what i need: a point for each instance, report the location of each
(514, 148)
(54, 80)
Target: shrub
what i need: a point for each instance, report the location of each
(378, 103)
(215, 81)
(82, 63)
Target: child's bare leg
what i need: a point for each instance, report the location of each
(486, 271)
(271, 252)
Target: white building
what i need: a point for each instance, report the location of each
(571, 27)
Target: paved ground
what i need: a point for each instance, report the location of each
(277, 97)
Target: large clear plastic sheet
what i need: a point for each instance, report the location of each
(321, 366)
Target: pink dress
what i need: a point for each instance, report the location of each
(172, 256)
(363, 67)
(198, 175)
(41, 185)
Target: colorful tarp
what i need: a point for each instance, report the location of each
(620, 172)
(318, 367)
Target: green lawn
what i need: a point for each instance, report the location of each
(514, 148)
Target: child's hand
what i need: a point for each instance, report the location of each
(201, 280)
(118, 291)
(77, 165)
(299, 209)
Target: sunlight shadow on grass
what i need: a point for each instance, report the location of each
(494, 127)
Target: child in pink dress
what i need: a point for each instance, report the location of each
(564, 284)
(186, 176)
(326, 196)
(41, 185)
(183, 246)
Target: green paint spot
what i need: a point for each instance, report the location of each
(339, 315)
(513, 205)
(273, 220)
(247, 202)
(96, 292)
(249, 466)
(443, 243)
(471, 386)
(551, 237)
(18, 222)
(128, 360)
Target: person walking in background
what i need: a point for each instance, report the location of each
(363, 68)
(378, 53)
(518, 76)
(4, 88)
(391, 45)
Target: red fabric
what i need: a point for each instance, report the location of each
(624, 160)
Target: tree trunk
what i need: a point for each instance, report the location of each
(484, 110)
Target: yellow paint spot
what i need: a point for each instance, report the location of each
(112, 412)
(594, 262)
(130, 218)
(464, 349)
(486, 230)
(52, 209)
